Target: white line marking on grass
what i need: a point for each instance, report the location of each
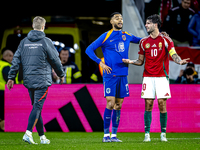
(178, 138)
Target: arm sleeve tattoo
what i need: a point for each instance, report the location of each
(138, 62)
(176, 58)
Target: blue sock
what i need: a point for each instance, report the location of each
(115, 120)
(107, 118)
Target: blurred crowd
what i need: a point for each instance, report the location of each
(180, 18)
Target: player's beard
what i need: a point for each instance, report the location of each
(150, 31)
(116, 27)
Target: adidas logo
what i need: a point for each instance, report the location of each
(154, 45)
(71, 118)
(167, 94)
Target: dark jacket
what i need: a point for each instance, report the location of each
(72, 73)
(184, 80)
(176, 23)
(36, 55)
(194, 29)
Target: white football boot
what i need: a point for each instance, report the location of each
(163, 137)
(44, 140)
(147, 137)
(28, 138)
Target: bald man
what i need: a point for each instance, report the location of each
(5, 64)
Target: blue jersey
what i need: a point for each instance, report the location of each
(115, 46)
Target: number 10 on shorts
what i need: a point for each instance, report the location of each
(144, 86)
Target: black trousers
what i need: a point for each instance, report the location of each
(38, 96)
(2, 105)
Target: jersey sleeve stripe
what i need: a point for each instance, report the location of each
(142, 45)
(128, 33)
(107, 35)
(141, 42)
(166, 44)
(168, 39)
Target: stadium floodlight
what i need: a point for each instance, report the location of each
(56, 43)
(72, 51)
(76, 47)
(62, 45)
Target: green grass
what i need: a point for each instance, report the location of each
(93, 141)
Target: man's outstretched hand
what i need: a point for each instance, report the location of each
(127, 61)
(184, 61)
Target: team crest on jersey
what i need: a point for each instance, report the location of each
(124, 37)
(108, 90)
(147, 45)
(121, 47)
(142, 94)
(160, 45)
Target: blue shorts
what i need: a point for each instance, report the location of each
(116, 86)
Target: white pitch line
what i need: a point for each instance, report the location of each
(178, 138)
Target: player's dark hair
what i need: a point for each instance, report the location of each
(114, 14)
(155, 19)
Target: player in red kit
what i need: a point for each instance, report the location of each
(155, 48)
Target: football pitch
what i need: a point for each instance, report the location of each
(93, 141)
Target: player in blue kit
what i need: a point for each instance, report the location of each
(115, 46)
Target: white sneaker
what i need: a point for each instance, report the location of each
(29, 139)
(163, 137)
(44, 140)
(147, 137)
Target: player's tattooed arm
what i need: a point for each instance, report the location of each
(138, 62)
(178, 60)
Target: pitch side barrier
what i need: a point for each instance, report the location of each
(80, 107)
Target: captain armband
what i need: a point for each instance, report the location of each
(172, 52)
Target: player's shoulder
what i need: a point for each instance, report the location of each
(109, 32)
(46, 39)
(127, 33)
(144, 39)
(105, 32)
(143, 43)
(23, 40)
(106, 35)
(103, 35)
(167, 38)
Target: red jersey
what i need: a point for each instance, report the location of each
(156, 52)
